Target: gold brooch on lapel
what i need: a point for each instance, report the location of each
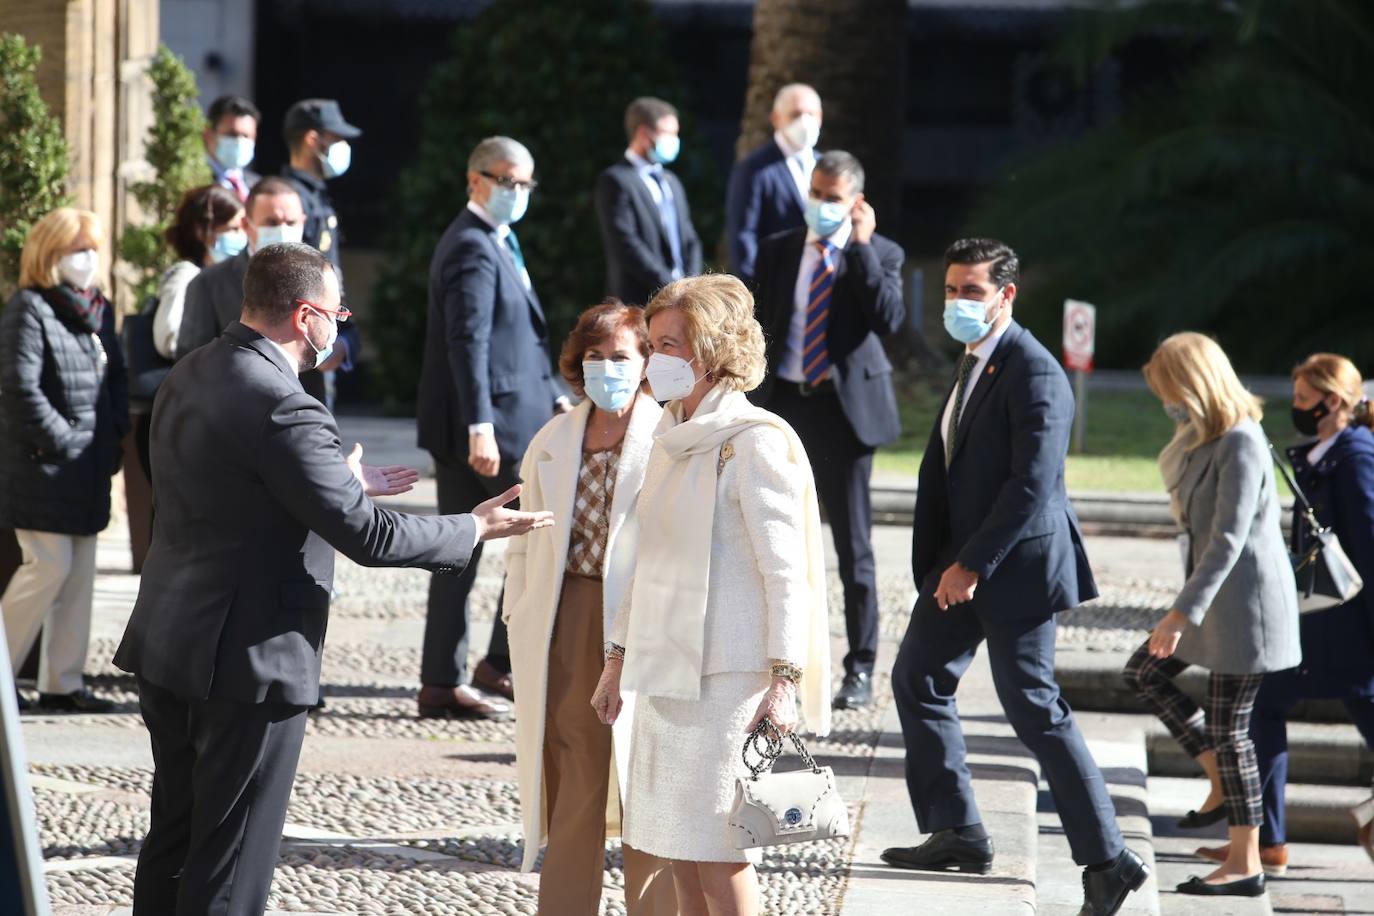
(727, 451)
(991, 369)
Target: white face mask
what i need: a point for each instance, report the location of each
(272, 235)
(670, 377)
(803, 131)
(79, 268)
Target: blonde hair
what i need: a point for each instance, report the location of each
(49, 239)
(721, 329)
(1331, 373)
(1191, 369)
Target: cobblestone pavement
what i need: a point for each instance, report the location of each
(396, 815)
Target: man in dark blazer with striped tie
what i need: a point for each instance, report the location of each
(826, 294)
(646, 225)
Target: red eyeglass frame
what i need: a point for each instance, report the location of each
(341, 314)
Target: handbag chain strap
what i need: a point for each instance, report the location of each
(766, 741)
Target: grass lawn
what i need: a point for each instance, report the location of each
(1125, 431)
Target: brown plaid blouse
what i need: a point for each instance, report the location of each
(591, 522)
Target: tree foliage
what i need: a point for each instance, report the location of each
(33, 155)
(556, 77)
(175, 153)
(1236, 199)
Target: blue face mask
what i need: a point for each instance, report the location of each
(336, 159)
(233, 152)
(966, 320)
(323, 353)
(665, 149)
(507, 205)
(824, 217)
(228, 244)
(610, 383)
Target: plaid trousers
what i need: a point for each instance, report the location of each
(1223, 728)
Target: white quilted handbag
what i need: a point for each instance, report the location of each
(772, 809)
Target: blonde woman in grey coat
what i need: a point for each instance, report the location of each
(1237, 614)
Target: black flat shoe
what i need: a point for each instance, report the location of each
(1196, 819)
(1252, 886)
(856, 692)
(80, 701)
(944, 851)
(1105, 890)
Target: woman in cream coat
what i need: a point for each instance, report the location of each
(724, 623)
(562, 588)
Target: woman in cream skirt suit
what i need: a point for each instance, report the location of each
(562, 589)
(724, 621)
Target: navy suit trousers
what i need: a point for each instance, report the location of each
(935, 653)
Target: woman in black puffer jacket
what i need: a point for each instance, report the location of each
(63, 411)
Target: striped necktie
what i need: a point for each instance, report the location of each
(815, 351)
(960, 389)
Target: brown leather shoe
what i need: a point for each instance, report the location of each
(486, 677)
(1273, 859)
(461, 702)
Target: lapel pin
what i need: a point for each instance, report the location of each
(991, 369)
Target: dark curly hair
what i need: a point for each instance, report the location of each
(599, 324)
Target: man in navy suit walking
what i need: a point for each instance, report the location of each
(486, 388)
(996, 552)
(825, 295)
(768, 187)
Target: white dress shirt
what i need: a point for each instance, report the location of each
(790, 366)
(984, 353)
(801, 161)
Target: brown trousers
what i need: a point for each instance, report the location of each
(577, 768)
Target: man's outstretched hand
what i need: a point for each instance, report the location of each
(380, 481)
(494, 520)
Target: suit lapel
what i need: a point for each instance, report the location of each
(507, 261)
(648, 210)
(558, 469)
(991, 374)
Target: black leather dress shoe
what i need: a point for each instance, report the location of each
(856, 692)
(944, 851)
(79, 701)
(23, 701)
(1105, 890)
(1252, 886)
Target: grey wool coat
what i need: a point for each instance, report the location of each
(1239, 597)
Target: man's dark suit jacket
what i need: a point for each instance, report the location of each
(866, 304)
(761, 200)
(486, 347)
(214, 299)
(252, 498)
(639, 260)
(1001, 509)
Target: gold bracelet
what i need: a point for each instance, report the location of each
(789, 671)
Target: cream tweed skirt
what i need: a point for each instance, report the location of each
(684, 760)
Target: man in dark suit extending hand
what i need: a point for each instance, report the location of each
(486, 387)
(825, 295)
(996, 553)
(646, 226)
(253, 497)
(768, 187)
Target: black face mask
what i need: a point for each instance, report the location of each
(1305, 421)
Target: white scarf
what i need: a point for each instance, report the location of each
(667, 627)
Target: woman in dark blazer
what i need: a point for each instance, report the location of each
(1237, 613)
(1336, 474)
(63, 411)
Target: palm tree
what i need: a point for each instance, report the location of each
(1239, 200)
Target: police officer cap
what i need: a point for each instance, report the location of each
(321, 115)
